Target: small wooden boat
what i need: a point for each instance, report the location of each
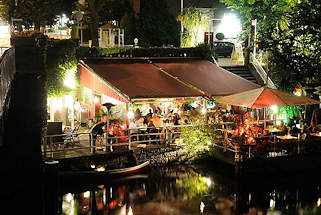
(129, 170)
(109, 173)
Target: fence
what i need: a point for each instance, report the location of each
(261, 71)
(91, 142)
(121, 139)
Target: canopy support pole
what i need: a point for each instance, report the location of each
(264, 118)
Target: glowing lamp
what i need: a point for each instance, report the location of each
(298, 92)
(253, 22)
(96, 99)
(100, 169)
(69, 197)
(130, 114)
(274, 108)
(86, 194)
(208, 181)
(203, 111)
(202, 206)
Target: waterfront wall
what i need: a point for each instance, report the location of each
(21, 125)
(156, 156)
(162, 156)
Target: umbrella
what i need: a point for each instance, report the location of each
(265, 97)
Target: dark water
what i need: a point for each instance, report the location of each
(193, 190)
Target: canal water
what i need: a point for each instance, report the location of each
(194, 189)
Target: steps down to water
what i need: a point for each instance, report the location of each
(242, 71)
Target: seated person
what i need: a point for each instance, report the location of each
(152, 129)
(133, 130)
(282, 127)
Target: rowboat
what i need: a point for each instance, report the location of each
(129, 170)
(109, 173)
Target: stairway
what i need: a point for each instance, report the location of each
(242, 71)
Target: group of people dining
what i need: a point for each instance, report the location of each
(156, 126)
(152, 125)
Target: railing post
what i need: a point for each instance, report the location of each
(129, 138)
(45, 148)
(106, 141)
(51, 144)
(299, 143)
(166, 135)
(92, 145)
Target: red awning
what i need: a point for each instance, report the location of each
(207, 76)
(140, 79)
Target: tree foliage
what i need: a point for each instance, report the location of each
(291, 30)
(63, 62)
(156, 26)
(193, 20)
(35, 13)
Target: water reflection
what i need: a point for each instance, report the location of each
(190, 190)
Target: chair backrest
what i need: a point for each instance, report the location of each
(76, 129)
(303, 137)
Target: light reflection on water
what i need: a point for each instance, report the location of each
(187, 190)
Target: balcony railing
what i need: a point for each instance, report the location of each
(261, 71)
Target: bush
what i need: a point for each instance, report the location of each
(200, 137)
(220, 36)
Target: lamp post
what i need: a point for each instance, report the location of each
(182, 28)
(253, 22)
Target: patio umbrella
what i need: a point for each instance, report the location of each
(264, 97)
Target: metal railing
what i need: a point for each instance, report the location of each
(88, 143)
(261, 71)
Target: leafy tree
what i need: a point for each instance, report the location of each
(91, 16)
(128, 22)
(101, 12)
(33, 12)
(298, 56)
(193, 20)
(113, 10)
(291, 30)
(156, 26)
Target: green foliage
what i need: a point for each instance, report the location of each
(61, 57)
(156, 26)
(109, 10)
(291, 30)
(128, 22)
(192, 19)
(33, 12)
(199, 137)
(220, 36)
(193, 187)
(290, 112)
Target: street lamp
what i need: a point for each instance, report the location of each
(182, 28)
(253, 22)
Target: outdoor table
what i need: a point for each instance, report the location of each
(287, 137)
(316, 134)
(275, 130)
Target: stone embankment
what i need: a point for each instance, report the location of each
(162, 156)
(156, 156)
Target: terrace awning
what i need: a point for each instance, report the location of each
(166, 78)
(206, 76)
(139, 79)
